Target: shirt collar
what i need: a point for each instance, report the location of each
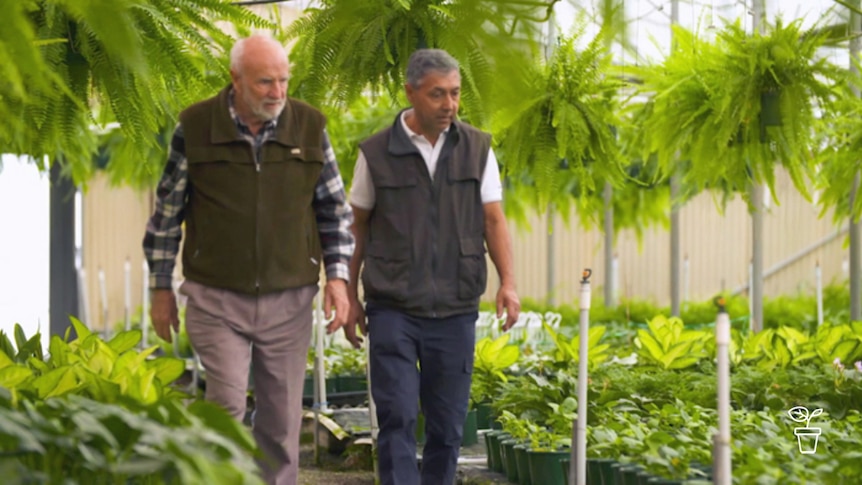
(412, 134)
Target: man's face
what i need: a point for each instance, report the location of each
(261, 86)
(435, 100)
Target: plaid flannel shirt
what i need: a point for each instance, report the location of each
(164, 229)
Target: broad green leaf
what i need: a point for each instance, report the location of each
(13, 375)
(844, 350)
(59, 350)
(679, 350)
(683, 363)
(167, 369)
(81, 330)
(507, 357)
(31, 348)
(216, 418)
(38, 364)
(653, 347)
(66, 383)
(5, 360)
(6, 345)
(20, 338)
(125, 340)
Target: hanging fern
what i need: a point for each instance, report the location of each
(839, 158)
(348, 46)
(90, 63)
(707, 105)
(556, 132)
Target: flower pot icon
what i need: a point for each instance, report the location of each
(806, 437)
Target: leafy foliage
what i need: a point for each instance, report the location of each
(90, 65)
(709, 105)
(838, 157)
(345, 47)
(669, 345)
(113, 371)
(556, 135)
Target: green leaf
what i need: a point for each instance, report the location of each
(216, 418)
(5, 360)
(81, 330)
(12, 376)
(167, 369)
(6, 345)
(125, 340)
(20, 338)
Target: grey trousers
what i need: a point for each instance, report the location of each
(272, 332)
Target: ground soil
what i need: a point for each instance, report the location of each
(353, 468)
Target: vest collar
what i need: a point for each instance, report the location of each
(400, 143)
(224, 129)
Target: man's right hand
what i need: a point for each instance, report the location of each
(355, 317)
(164, 313)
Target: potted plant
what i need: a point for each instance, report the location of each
(491, 359)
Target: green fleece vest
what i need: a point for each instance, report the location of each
(250, 225)
(425, 251)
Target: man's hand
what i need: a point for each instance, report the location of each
(164, 313)
(507, 298)
(356, 317)
(335, 295)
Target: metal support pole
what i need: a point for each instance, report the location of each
(320, 404)
(675, 260)
(610, 284)
(127, 294)
(818, 278)
(63, 291)
(855, 227)
(721, 442)
(578, 460)
(552, 277)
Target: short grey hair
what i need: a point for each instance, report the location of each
(424, 60)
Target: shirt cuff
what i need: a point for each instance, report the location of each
(339, 270)
(161, 281)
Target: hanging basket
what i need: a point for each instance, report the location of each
(770, 108)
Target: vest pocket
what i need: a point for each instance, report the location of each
(386, 271)
(472, 270)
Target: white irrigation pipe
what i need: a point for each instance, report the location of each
(320, 405)
(103, 294)
(721, 442)
(145, 304)
(127, 294)
(578, 460)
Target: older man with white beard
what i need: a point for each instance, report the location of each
(252, 174)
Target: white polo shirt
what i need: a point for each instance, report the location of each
(362, 190)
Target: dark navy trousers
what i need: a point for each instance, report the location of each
(443, 349)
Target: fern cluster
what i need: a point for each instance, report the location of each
(707, 105)
(78, 67)
(557, 135)
(346, 47)
(838, 157)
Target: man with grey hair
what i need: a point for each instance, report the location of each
(426, 197)
(252, 174)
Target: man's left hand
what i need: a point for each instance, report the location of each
(507, 298)
(335, 298)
